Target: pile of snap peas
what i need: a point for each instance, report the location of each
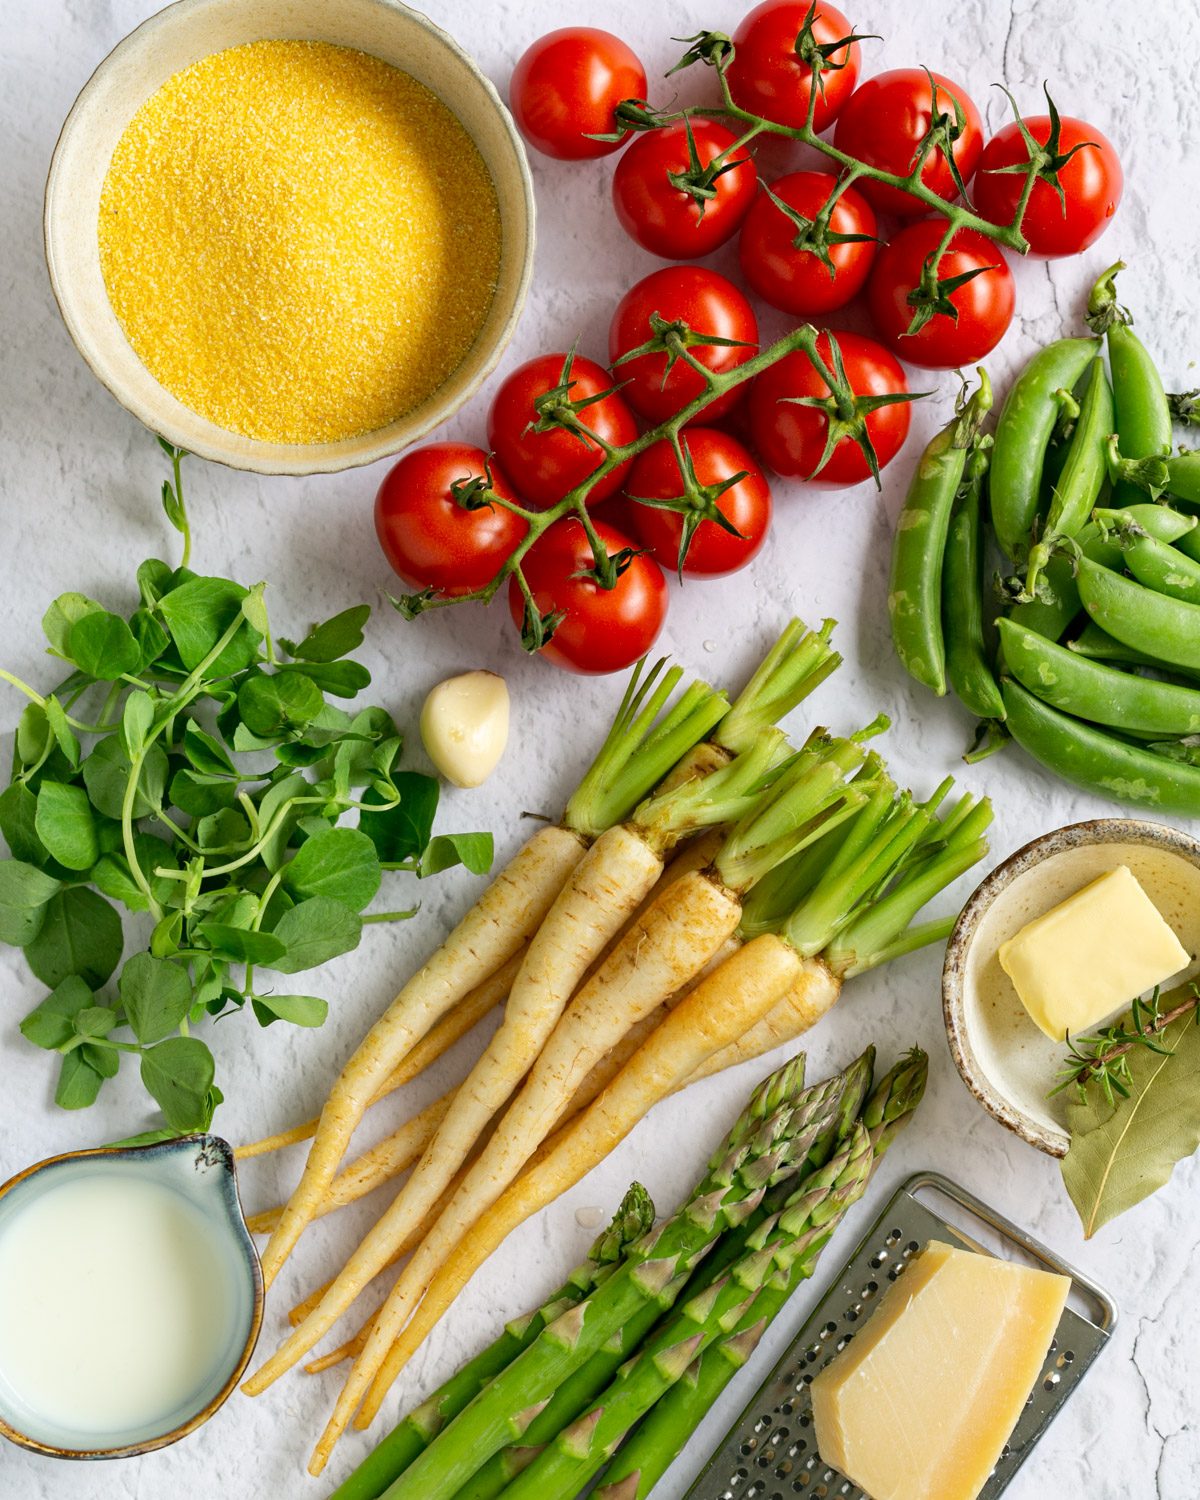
(1087, 653)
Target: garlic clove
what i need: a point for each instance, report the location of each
(464, 726)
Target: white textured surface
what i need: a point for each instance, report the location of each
(79, 483)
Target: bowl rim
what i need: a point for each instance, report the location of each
(221, 1154)
(334, 462)
(1029, 855)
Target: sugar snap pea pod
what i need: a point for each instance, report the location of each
(1083, 473)
(968, 670)
(915, 586)
(1183, 476)
(1097, 760)
(1098, 645)
(1164, 628)
(1165, 569)
(1101, 694)
(1023, 434)
(1058, 599)
(1143, 414)
(1189, 544)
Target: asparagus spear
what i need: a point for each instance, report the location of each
(633, 1218)
(783, 1249)
(848, 1091)
(658, 1441)
(768, 1143)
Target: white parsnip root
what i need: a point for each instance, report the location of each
(604, 889)
(508, 914)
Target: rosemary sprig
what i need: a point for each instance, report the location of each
(1103, 1059)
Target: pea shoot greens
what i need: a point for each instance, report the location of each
(194, 770)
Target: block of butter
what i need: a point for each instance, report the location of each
(1091, 955)
(921, 1402)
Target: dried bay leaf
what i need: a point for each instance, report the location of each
(1122, 1152)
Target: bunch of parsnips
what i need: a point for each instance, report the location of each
(634, 1348)
(704, 897)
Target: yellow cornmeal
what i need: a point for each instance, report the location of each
(300, 241)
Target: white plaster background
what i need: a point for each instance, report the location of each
(78, 481)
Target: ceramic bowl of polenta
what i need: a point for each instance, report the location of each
(292, 239)
(1056, 942)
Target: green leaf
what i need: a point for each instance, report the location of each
(341, 863)
(56, 717)
(256, 611)
(152, 640)
(18, 812)
(225, 829)
(65, 613)
(164, 940)
(271, 806)
(154, 578)
(179, 1074)
(112, 876)
(279, 704)
(206, 754)
(198, 613)
(25, 893)
(1122, 1152)
(156, 994)
(136, 719)
(107, 772)
(78, 1082)
(300, 1010)
(336, 637)
(95, 1020)
(103, 646)
(474, 850)
(105, 1060)
(66, 825)
(243, 946)
(80, 934)
(52, 1023)
(33, 735)
(200, 794)
(315, 931)
(344, 679)
(402, 832)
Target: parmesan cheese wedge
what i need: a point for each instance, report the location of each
(1091, 955)
(921, 1402)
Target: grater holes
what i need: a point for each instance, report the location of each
(842, 1342)
(878, 1259)
(894, 1237)
(1066, 1358)
(869, 1290)
(1051, 1380)
(911, 1248)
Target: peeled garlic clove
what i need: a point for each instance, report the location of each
(464, 726)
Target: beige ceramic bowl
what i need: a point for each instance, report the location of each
(1004, 1059)
(174, 39)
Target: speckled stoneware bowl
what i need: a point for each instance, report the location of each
(174, 39)
(1004, 1059)
(201, 1169)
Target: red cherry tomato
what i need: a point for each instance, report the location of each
(791, 438)
(666, 220)
(884, 122)
(716, 457)
(984, 304)
(429, 539)
(545, 465)
(769, 78)
(796, 281)
(1091, 182)
(602, 630)
(566, 87)
(709, 304)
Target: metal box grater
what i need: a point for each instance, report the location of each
(770, 1452)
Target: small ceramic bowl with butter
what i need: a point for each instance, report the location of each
(1058, 940)
(131, 1297)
